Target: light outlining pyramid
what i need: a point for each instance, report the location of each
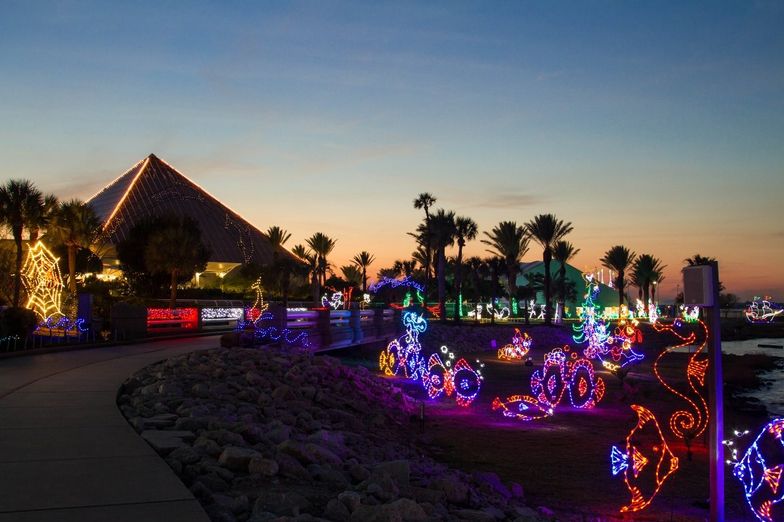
(43, 282)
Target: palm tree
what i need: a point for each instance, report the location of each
(495, 265)
(283, 266)
(442, 230)
(646, 270)
(43, 217)
(311, 262)
(619, 258)
(404, 268)
(177, 250)
(509, 242)
(352, 275)
(75, 225)
(362, 261)
(22, 204)
(563, 251)
(425, 200)
(322, 246)
(466, 229)
(547, 230)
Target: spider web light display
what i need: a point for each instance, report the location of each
(43, 282)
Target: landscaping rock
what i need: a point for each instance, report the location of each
(237, 459)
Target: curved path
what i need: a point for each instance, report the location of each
(66, 451)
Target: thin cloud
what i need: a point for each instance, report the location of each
(504, 201)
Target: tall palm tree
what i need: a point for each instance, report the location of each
(646, 270)
(563, 251)
(425, 200)
(466, 229)
(619, 258)
(362, 261)
(22, 204)
(404, 268)
(547, 230)
(509, 242)
(495, 265)
(442, 230)
(44, 216)
(283, 266)
(311, 262)
(322, 246)
(476, 267)
(75, 225)
(352, 275)
(177, 250)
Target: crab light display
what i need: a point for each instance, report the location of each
(762, 310)
(760, 472)
(692, 422)
(518, 348)
(44, 284)
(563, 374)
(646, 461)
(442, 377)
(402, 356)
(522, 407)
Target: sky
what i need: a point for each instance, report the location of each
(656, 125)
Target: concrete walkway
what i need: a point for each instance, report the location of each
(66, 451)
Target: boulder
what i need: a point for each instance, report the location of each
(237, 459)
(164, 442)
(262, 466)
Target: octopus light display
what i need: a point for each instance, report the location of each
(762, 310)
(646, 461)
(43, 282)
(760, 472)
(442, 378)
(522, 407)
(692, 422)
(403, 356)
(518, 348)
(562, 373)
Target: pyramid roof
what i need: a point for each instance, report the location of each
(152, 187)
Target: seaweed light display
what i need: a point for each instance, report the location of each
(683, 423)
(760, 471)
(592, 329)
(762, 310)
(646, 461)
(44, 284)
(403, 356)
(519, 347)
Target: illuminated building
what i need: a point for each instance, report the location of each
(151, 188)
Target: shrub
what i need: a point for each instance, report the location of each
(17, 321)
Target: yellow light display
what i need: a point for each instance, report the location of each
(43, 282)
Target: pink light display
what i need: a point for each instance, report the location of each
(177, 317)
(443, 378)
(522, 407)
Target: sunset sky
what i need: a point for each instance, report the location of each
(659, 126)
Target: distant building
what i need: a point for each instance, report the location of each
(151, 188)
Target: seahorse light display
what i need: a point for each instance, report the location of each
(692, 422)
(646, 461)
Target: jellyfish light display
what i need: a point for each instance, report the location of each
(760, 472)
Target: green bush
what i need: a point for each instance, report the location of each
(17, 321)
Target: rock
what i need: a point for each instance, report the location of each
(358, 473)
(398, 511)
(490, 482)
(193, 424)
(337, 511)
(279, 433)
(224, 437)
(516, 490)
(288, 503)
(214, 482)
(431, 496)
(350, 499)
(237, 459)
(398, 470)
(218, 513)
(262, 466)
(207, 446)
(473, 515)
(236, 505)
(166, 441)
(290, 467)
(309, 453)
(185, 455)
(546, 511)
(455, 490)
(526, 514)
